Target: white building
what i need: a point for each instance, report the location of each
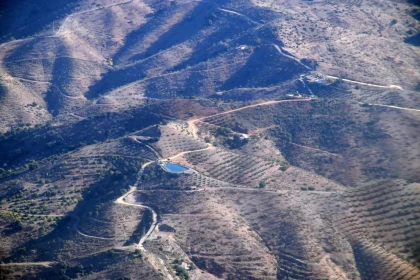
(184, 265)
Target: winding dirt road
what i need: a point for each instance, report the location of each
(121, 200)
(154, 215)
(133, 138)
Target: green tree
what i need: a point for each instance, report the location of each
(224, 131)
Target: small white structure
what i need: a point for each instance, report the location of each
(242, 47)
(184, 265)
(244, 136)
(295, 95)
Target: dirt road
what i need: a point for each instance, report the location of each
(121, 200)
(313, 149)
(271, 102)
(291, 57)
(362, 83)
(133, 138)
(191, 151)
(394, 107)
(45, 264)
(193, 127)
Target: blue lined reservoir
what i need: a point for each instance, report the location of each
(175, 168)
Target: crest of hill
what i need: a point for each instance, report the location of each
(67, 71)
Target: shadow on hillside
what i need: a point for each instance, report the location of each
(39, 143)
(61, 67)
(141, 229)
(115, 79)
(367, 265)
(190, 85)
(265, 67)
(223, 29)
(57, 91)
(21, 50)
(63, 243)
(194, 22)
(415, 13)
(136, 37)
(230, 27)
(27, 17)
(413, 40)
(178, 33)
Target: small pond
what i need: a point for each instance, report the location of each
(175, 168)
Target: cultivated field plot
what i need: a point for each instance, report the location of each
(295, 178)
(340, 140)
(213, 236)
(388, 214)
(376, 262)
(206, 223)
(121, 147)
(299, 248)
(231, 167)
(54, 192)
(155, 177)
(54, 188)
(176, 138)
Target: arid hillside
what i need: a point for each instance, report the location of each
(219, 139)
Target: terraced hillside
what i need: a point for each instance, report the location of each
(386, 213)
(296, 122)
(349, 142)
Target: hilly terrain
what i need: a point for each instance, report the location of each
(220, 139)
